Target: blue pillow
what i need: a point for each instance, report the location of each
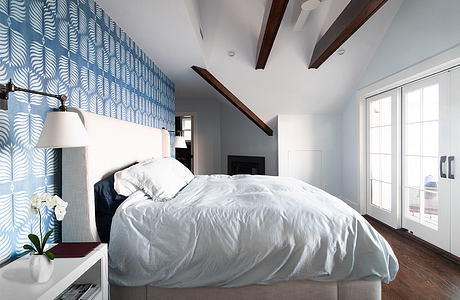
(106, 201)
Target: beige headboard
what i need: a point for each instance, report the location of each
(114, 144)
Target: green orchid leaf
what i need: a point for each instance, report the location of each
(34, 239)
(50, 255)
(46, 238)
(28, 247)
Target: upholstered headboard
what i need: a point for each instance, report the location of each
(114, 144)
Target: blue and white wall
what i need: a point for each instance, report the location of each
(64, 47)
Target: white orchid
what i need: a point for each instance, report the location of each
(36, 202)
(33, 210)
(52, 202)
(48, 200)
(60, 212)
(57, 201)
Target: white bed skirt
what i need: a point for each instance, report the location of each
(291, 290)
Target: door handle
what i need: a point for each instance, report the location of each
(451, 171)
(442, 161)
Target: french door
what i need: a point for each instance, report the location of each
(413, 135)
(426, 154)
(383, 136)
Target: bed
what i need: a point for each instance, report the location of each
(109, 152)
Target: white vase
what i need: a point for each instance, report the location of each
(41, 267)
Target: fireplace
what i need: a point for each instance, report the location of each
(253, 165)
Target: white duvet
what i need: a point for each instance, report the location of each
(228, 231)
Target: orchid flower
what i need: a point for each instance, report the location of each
(36, 202)
(60, 212)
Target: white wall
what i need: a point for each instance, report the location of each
(420, 29)
(207, 137)
(316, 141)
(350, 150)
(240, 136)
(222, 130)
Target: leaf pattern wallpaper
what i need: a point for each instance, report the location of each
(67, 47)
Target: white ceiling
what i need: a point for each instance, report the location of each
(168, 33)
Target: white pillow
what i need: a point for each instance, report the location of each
(160, 178)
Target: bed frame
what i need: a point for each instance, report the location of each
(115, 144)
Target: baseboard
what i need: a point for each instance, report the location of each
(352, 204)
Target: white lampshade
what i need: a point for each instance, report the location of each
(179, 142)
(62, 129)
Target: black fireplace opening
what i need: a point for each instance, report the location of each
(253, 165)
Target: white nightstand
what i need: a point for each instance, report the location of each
(16, 284)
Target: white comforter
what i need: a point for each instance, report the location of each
(241, 230)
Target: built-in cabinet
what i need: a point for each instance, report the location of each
(413, 142)
(309, 149)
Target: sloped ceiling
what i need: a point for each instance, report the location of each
(169, 32)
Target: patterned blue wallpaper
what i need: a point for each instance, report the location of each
(64, 47)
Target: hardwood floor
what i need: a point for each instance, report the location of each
(423, 273)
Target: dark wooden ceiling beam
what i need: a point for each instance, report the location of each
(269, 30)
(355, 14)
(215, 83)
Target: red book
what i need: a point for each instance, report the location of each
(69, 250)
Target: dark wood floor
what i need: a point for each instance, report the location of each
(423, 273)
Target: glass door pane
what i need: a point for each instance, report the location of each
(380, 152)
(421, 125)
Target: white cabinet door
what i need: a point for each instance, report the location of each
(425, 154)
(306, 165)
(455, 152)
